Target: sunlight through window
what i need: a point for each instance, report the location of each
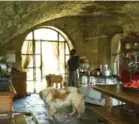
(45, 34)
(46, 53)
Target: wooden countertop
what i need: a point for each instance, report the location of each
(116, 91)
(114, 115)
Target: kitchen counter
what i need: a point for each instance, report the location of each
(93, 96)
(118, 92)
(118, 114)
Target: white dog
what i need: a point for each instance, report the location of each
(63, 97)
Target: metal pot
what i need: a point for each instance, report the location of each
(107, 72)
(103, 67)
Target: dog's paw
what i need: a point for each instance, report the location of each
(71, 113)
(66, 116)
(78, 117)
(50, 118)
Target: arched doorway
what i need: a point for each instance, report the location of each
(115, 51)
(44, 51)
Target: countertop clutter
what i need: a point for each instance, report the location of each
(97, 77)
(102, 75)
(92, 80)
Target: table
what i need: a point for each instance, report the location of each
(18, 118)
(116, 91)
(114, 115)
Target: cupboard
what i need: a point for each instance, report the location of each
(129, 58)
(19, 83)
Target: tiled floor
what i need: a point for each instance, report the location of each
(34, 104)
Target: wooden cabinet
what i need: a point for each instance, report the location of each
(7, 92)
(19, 83)
(130, 54)
(129, 58)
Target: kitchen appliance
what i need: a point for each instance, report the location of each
(105, 70)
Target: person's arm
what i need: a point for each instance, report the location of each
(67, 68)
(82, 57)
(67, 65)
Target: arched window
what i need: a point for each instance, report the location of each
(44, 51)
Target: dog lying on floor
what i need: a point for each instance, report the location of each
(63, 97)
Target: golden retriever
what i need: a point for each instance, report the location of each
(63, 97)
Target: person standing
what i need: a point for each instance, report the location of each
(73, 64)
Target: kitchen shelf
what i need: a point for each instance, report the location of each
(129, 57)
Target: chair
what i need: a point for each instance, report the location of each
(53, 79)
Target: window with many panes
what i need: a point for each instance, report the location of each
(44, 51)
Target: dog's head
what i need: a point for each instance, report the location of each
(44, 93)
(59, 94)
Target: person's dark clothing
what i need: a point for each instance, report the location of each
(73, 64)
(73, 78)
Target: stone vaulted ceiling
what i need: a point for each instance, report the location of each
(18, 16)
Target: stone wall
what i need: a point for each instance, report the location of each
(91, 35)
(83, 33)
